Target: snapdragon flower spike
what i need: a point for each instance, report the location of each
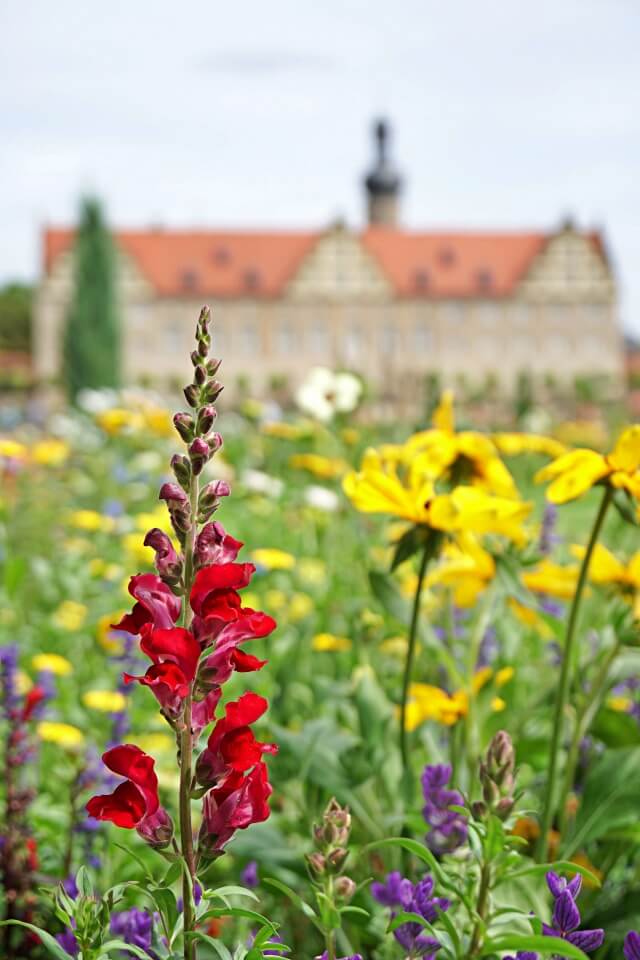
(174, 654)
(134, 804)
(565, 922)
(215, 545)
(232, 745)
(217, 607)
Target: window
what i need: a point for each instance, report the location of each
(422, 337)
(189, 279)
(446, 256)
(484, 278)
(285, 338)
(318, 337)
(221, 256)
(353, 342)
(421, 280)
(250, 338)
(251, 279)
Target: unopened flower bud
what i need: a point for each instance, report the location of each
(181, 467)
(479, 810)
(195, 358)
(206, 418)
(344, 888)
(203, 346)
(174, 496)
(203, 320)
(157, 829)
(213, 366)
(192, 395)
(211, 391)
(317, 863)
(215, 442)
(504, 807)
(337, 857)
(210, 496)
(199, 374)
(199, 453)
(167, 561)
(183, 422)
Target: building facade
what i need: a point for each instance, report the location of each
(392, 304)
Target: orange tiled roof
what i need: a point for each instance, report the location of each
(254, 264)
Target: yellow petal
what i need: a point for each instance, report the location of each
(625, 455)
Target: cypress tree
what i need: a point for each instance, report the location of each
(91, 348)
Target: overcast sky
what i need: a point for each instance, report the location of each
(507, 113)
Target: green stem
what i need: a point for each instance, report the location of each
(430, 547)
(565, 678)
(186, 747)
(481, 909)
(583, 721)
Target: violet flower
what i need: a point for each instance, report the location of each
(418, 898)
(133, 926)
(448, 827)
(394, 891)
(249, 875)
(565, 922)
(68, 942)
(631, 949)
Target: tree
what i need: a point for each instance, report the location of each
(15, 317)
(91, 348)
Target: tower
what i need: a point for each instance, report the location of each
(383, 184)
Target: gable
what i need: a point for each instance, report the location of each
(570, 267)
(339, 268)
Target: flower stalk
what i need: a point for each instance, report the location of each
(564, 684)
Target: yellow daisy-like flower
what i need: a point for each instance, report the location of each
(300, 606)
(273, 559)
(323, 467)
(158, 421)
(70, 615)
(427, 702)
(503, 676)
(553, 579)
(473, 510)
(465, 567)
(606, 568)
(329, 642)
(61, 733)
(50, 453)
(498, 704)
(106, 701)
(52, 663)
(514, 444)
(574, 473)
(156, 743)
(91, 520)
(378, 488)
(118, 420)
(620, 704)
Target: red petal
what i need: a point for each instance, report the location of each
(176, 645)
(219, 576)
(131, 762)
(125, 806)
(246, 662)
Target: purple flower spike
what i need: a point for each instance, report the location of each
(134, 927)
(631, 947)
(448, 828)
(394, 892)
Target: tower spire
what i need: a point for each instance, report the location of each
(383, 184)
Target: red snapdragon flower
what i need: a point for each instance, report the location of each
(237, 803)
(135, 802)
(175, 654)
(232, 746)
(34, 697)
(156, 606)
(214, 595)
(215, 545)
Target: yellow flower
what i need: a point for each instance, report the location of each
(275, 599)
(513, 444)
(118, 420)
(553, 579)
(503, 676)
(350, 436)
(465, 567)
(481, 678)
(91, 520)
(106, 701)
(12, 450)
(156, 743)
(50, 453)
(24, 682)
(273, 559)
(108, 637)
(395, 646)
(300, 606)
(154, 518)
(282, 430)
(52, 663)
(107, 571)
(330, 642)
(473, 510)
(606, 568)
(323, 467)
(582, 433)
(431, 703)
(620, 704)
(575, 472)
(498, 704)
(61, 733)
(158, 421)
(378, 488)
(70, 615)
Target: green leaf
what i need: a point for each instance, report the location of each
(47, 941)
(83, 882)
(165, 900)
(296, 900)
(230, 890)
(559, 866)
(239, 912)
(390, 598)
(534, 942)
(173, 873)
(610, 797)
(409, 543)
(123, 945)
(417, 849)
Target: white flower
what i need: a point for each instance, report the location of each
(258, 482)
(325, 393)
(321, 498)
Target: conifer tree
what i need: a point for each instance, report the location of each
(91, 347)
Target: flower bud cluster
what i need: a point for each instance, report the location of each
(331, 840)
(497, 778)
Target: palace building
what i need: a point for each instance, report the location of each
(393, 304)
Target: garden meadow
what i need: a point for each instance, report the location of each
(316, 687)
